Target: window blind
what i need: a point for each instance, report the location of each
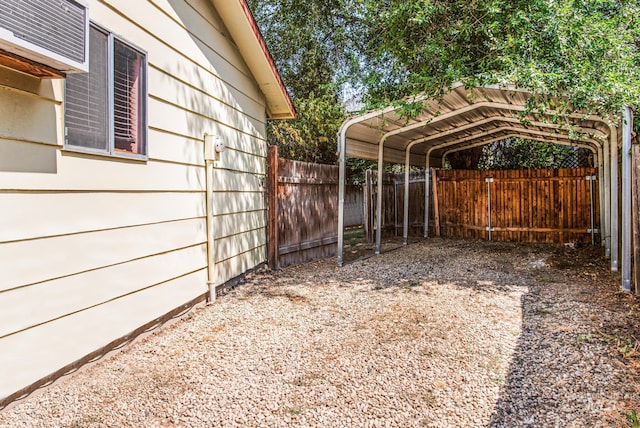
(86, 106)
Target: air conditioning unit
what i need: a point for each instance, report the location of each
(54, 33)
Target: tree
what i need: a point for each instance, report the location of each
(312, 43)
(586, 51)
(312, 136)
(519, 153)
(573, 54)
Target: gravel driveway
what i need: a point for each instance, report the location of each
(442, 333)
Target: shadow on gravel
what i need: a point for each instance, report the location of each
(574, 364)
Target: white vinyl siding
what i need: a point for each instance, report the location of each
(94, 247)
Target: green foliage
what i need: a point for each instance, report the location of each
(587, 51)
(629, 347)
(633, 418)
(311, 42)
(356, 169)
(518, 153)
(574, 55)
(312, 137)
(584, 337)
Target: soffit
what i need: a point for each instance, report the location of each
(245, 33)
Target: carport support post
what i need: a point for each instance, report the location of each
(379, 197)
(601, 195)
(405, 225)
(615, 248)
(405, 217)
(627, 120)
(606, 208)
(341, 186)
(426, 195)
(427, 189)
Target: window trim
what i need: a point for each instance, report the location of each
(144, 116)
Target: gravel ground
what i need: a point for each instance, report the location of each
(441, 333)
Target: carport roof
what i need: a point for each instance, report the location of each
(465, 117)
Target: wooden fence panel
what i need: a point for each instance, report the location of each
(524, 206)
(303, 210)
(308, 211)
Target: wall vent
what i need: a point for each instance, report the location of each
(54, 33)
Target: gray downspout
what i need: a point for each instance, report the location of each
(209, 156)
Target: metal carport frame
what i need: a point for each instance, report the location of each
(477, 116)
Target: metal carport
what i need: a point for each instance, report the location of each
(468, 117)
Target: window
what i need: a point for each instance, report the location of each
(105, 109)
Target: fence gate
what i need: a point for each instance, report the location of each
(557, 206)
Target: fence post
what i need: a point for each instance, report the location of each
(489, 180)
(272, 208)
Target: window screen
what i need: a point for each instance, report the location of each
(128, 93)
(105, 109)
(87, 94)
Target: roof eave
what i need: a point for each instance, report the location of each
(245, 33)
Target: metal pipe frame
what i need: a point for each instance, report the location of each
(342, 146)
(471, 107)
(601, 159)
(608, 175)
(379, 196)
(405, 228)
(518, 132)
(614, 207)
(459, 129)
(605, 224)
(627, 123)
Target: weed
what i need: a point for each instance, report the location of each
(86, 421)
(498, 380)
(633, 418)
(305, 380)
(629, 347)
(407, 285)
(584, 337)
(359, 327)
(428, 397)
(294, 411)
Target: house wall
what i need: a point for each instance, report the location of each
(92, 247)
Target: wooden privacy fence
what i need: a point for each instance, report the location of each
(302, 209)
(557, 206)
